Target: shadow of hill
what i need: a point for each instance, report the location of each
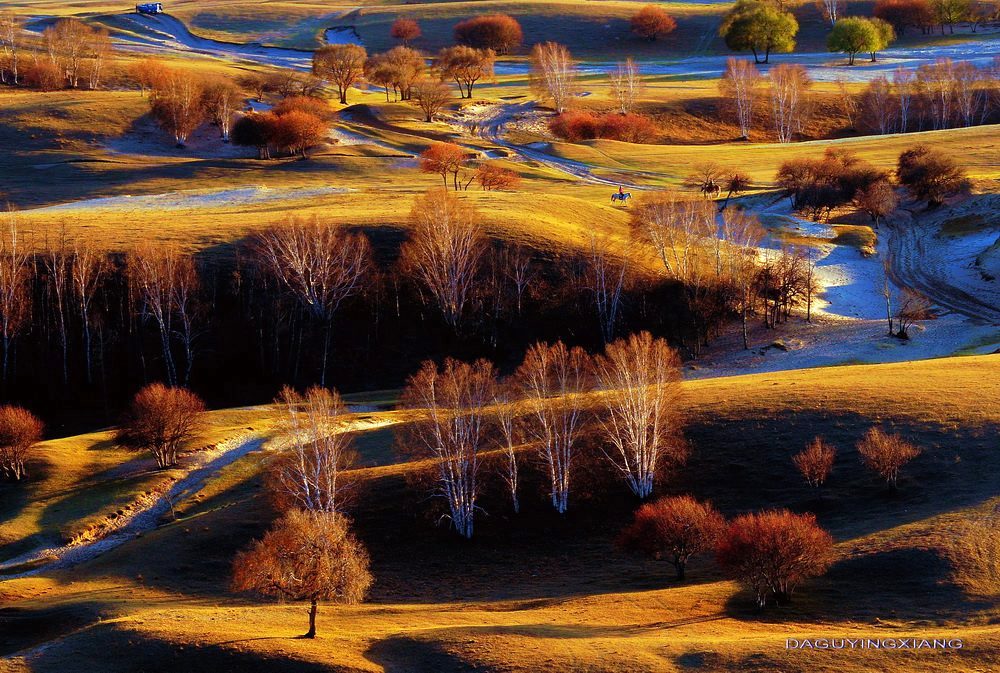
(137, 651)
(744, 463)
(403, 654)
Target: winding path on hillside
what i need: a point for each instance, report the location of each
(912, 266)
(199, 468)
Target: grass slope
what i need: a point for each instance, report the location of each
(539, 593)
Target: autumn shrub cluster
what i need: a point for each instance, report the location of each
(576, 125)
(499, 32)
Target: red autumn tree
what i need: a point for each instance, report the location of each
(306, 556)
(160, 420)
(651, 22)
(444, 159)
(772, 552)
(405, 30)
(20, 430)
(674, 529)
(499, 32)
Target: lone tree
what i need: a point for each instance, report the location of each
(772, 552)
(160, 420)
(316, 452)
(674, 529)
(499, 32)
(405, 30)
(445, 159)
(466, 65)
(815, 462)
(878, 200)
(306, 556)
(20, 430)
(930, 175)
(431, 95)
(445, 251)
(760, 28)
(553, 74)
(342, 64)
(886, 454)
(176, 104)
(553, 379)
(651, 22)
(452, 431)
(641, 377)
(320, 265)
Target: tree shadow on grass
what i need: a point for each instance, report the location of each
(139, 651)
(903, 584)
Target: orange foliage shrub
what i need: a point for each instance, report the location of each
(499, 32)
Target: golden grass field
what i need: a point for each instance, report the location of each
(535, 593)
(531, 593)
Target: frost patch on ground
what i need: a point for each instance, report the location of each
(188, 199)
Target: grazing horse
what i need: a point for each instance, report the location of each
(621, 197)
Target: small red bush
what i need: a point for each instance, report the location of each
(576, 126)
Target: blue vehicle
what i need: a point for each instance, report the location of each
(149, 8)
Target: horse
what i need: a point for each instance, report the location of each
(621, 197)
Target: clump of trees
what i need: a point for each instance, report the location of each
(856, 34)
(640, 377)
(930, 175)
(446, 160)
(772, 552)
(161, 420)
(306, 556)
(789, 87)
(445, 252)
(818, 186)
(69, 54)
(292, 127)
(316, 264)
(499, 32)
(937, 95)
(651, 22)
(903, 14)
(674, 529)
(493, 177)
(626, 85)
(759, 27)
(739, 87)
(20, 431)
(886, 454)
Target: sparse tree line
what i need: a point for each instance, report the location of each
(925, 15)
(69, 54)
(935, 96)
(941, 95)
(309, 296)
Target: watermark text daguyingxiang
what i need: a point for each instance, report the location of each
(891, 644)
